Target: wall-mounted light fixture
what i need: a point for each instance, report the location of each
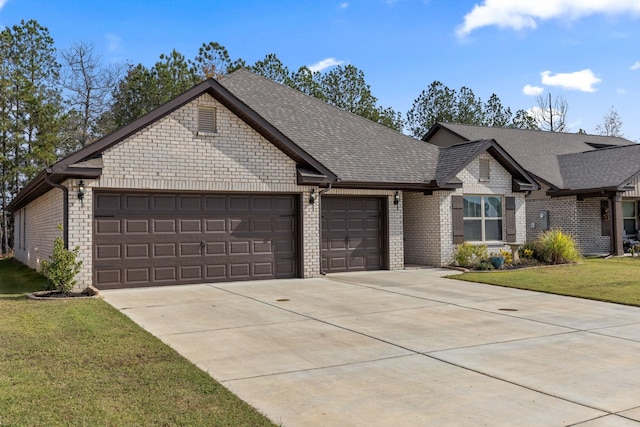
(396, 198)
(80, 190)
(312, 196)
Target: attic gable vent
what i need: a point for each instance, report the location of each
(206, 120)
(485, 170)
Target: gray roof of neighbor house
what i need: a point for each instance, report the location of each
(328, 145)
(567, 161)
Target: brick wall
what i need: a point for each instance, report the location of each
(589, 232)
(428, 219)
(170, 155)
(41, 218)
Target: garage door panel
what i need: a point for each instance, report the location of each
(137, 226)
(216, 248)
(239, 203)
(162, 250)
(161, 226)
(190, 238)
(109, 276)
(190, 272)
(136, 202)
(215, 203)
(216, 225)
(216, 272)
(190, 203)
(137, 275)
(238, 225)
(137, 250)
(352, 233)
(107, 252)
(165, 274)
(261, 269)
(163, 203)
(240, 271)
(264, 247)
(190, 226)
(190, 249)
(239, 248)
(108, 226)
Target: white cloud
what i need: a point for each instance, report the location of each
(520, 14)
(113, 41)
(343, 5)
(324, 64)
(578, 80)
(636, 65)
(621, 91)
(532, 90)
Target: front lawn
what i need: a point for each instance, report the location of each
(81, 362)
(614, 280)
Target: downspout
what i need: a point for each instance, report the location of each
(65, 206)
(320, 193)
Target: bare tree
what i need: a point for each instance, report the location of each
(611, 124)
(87, 84)
(550, 113)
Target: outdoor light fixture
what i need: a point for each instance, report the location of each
(80, 190)
(312, 196)
(396, 198)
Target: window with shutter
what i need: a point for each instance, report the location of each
(206, 120)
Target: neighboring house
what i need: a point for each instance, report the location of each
(589, 183)
(244, 179)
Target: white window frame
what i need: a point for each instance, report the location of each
(482, 218)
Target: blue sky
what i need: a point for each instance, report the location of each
(586, 51)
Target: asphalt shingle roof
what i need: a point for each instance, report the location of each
(353, 148)
(552, 156)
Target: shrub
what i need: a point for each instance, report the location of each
(558, 247)
(468, 255)
(62, 267)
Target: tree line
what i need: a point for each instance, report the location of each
(55, 102)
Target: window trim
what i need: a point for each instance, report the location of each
(482, 218)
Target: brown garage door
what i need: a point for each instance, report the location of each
(166, 239)
(352, 233)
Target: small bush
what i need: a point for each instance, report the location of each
(558, 248)
(62, 267)
(468, 255)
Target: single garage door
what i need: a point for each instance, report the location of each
(167, 239)
(353, 233)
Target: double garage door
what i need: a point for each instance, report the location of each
(148, 239)
(156, 239)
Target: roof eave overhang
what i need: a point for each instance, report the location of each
(590, 192)
(39, 185)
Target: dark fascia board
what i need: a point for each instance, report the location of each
(38, 186)
(505, 160)
(210, 86)
(590, 192)
(406, 186)
(226, 98)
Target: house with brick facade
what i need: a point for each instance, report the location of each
(246, 179)
(589, 184)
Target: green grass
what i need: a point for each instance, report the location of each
(83, 363)
(613, 280)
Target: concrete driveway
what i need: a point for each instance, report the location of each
(405, 348)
